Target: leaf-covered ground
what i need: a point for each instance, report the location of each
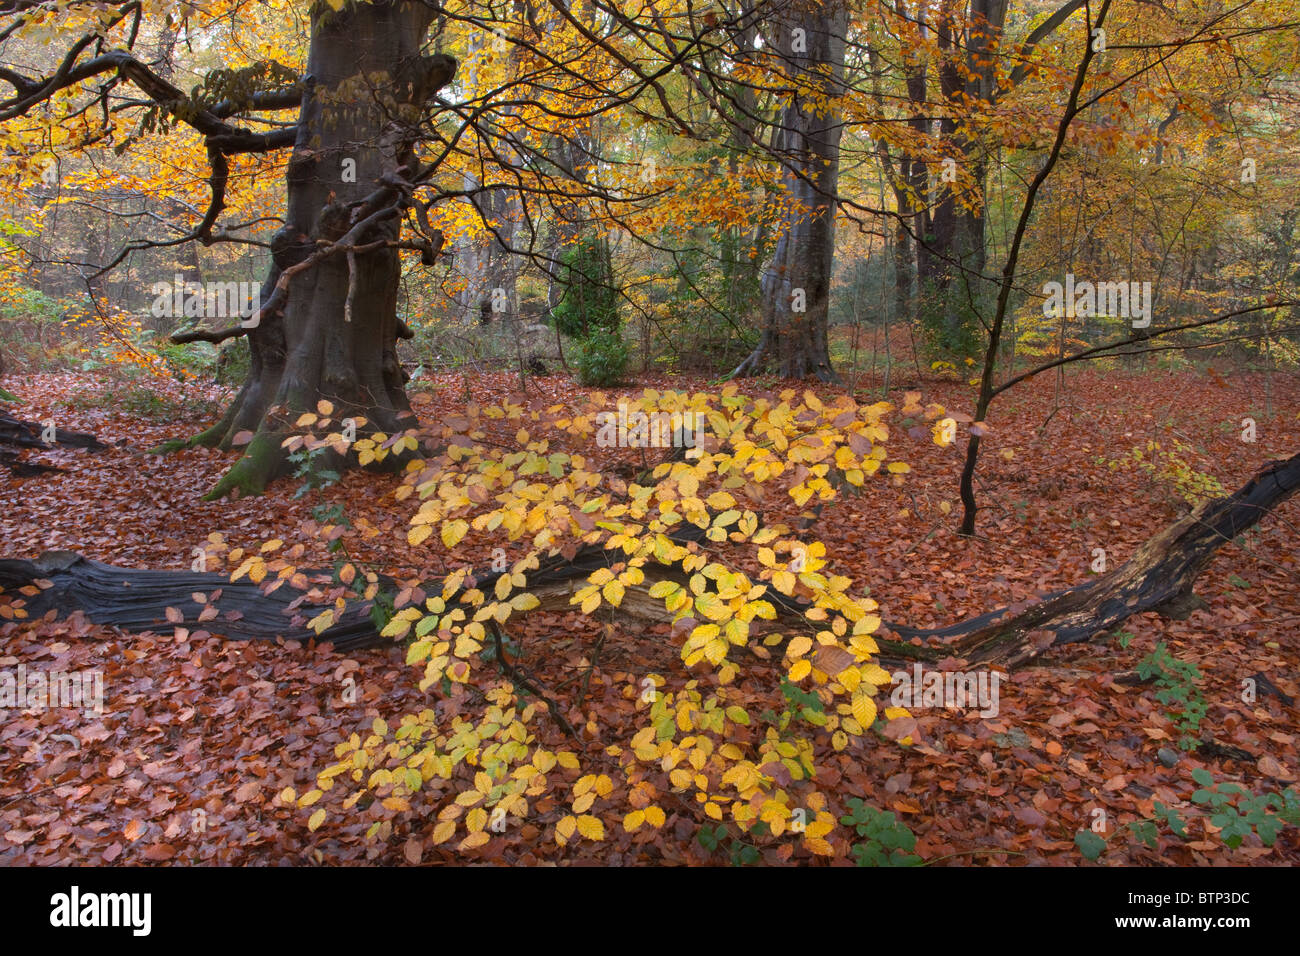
(195, 723)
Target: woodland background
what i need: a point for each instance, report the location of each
(828, 227)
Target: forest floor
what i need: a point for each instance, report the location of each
(194, 723)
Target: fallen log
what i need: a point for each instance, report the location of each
(23, 434)
(24, 469)
(15, 431)
(139, 600)
(1159, 577)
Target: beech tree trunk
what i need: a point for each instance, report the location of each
(797, 282)
(332, 332)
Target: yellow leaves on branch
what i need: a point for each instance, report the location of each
(724, 751)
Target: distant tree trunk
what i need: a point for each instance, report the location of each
(797, 282)
(308, 349)
(956, 254)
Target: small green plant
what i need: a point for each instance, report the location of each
(738, 851)
(601, 358)
(1171, 467)
(1237, 812)
(1177, 688)
(310, 467)
(1089, 844)
(798, 703)
(888, 842)
(383, 608)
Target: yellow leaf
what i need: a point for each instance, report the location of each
(564, 829)
(864, 708)
(801, 669)
(474, 840)
(634, 820)
(316, 820)
(654, 816)
(591, 827)
(819, 846)
(453, 531)
(444, 831)
(524, 602)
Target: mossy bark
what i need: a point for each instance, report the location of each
(334, 336)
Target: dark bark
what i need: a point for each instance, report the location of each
(138, 600)
(328, 324)
(986, 389)
(24, 434)
(797, 282)
(1159, 577)
(15, 431)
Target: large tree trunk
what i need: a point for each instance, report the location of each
(367, 84)
(796, 285)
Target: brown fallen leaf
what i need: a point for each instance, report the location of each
(413, 850)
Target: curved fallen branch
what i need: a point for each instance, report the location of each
(23, 434)
(1159, 577)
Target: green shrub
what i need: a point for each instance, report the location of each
(887, 841)
(590, 302)
(601, 358)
